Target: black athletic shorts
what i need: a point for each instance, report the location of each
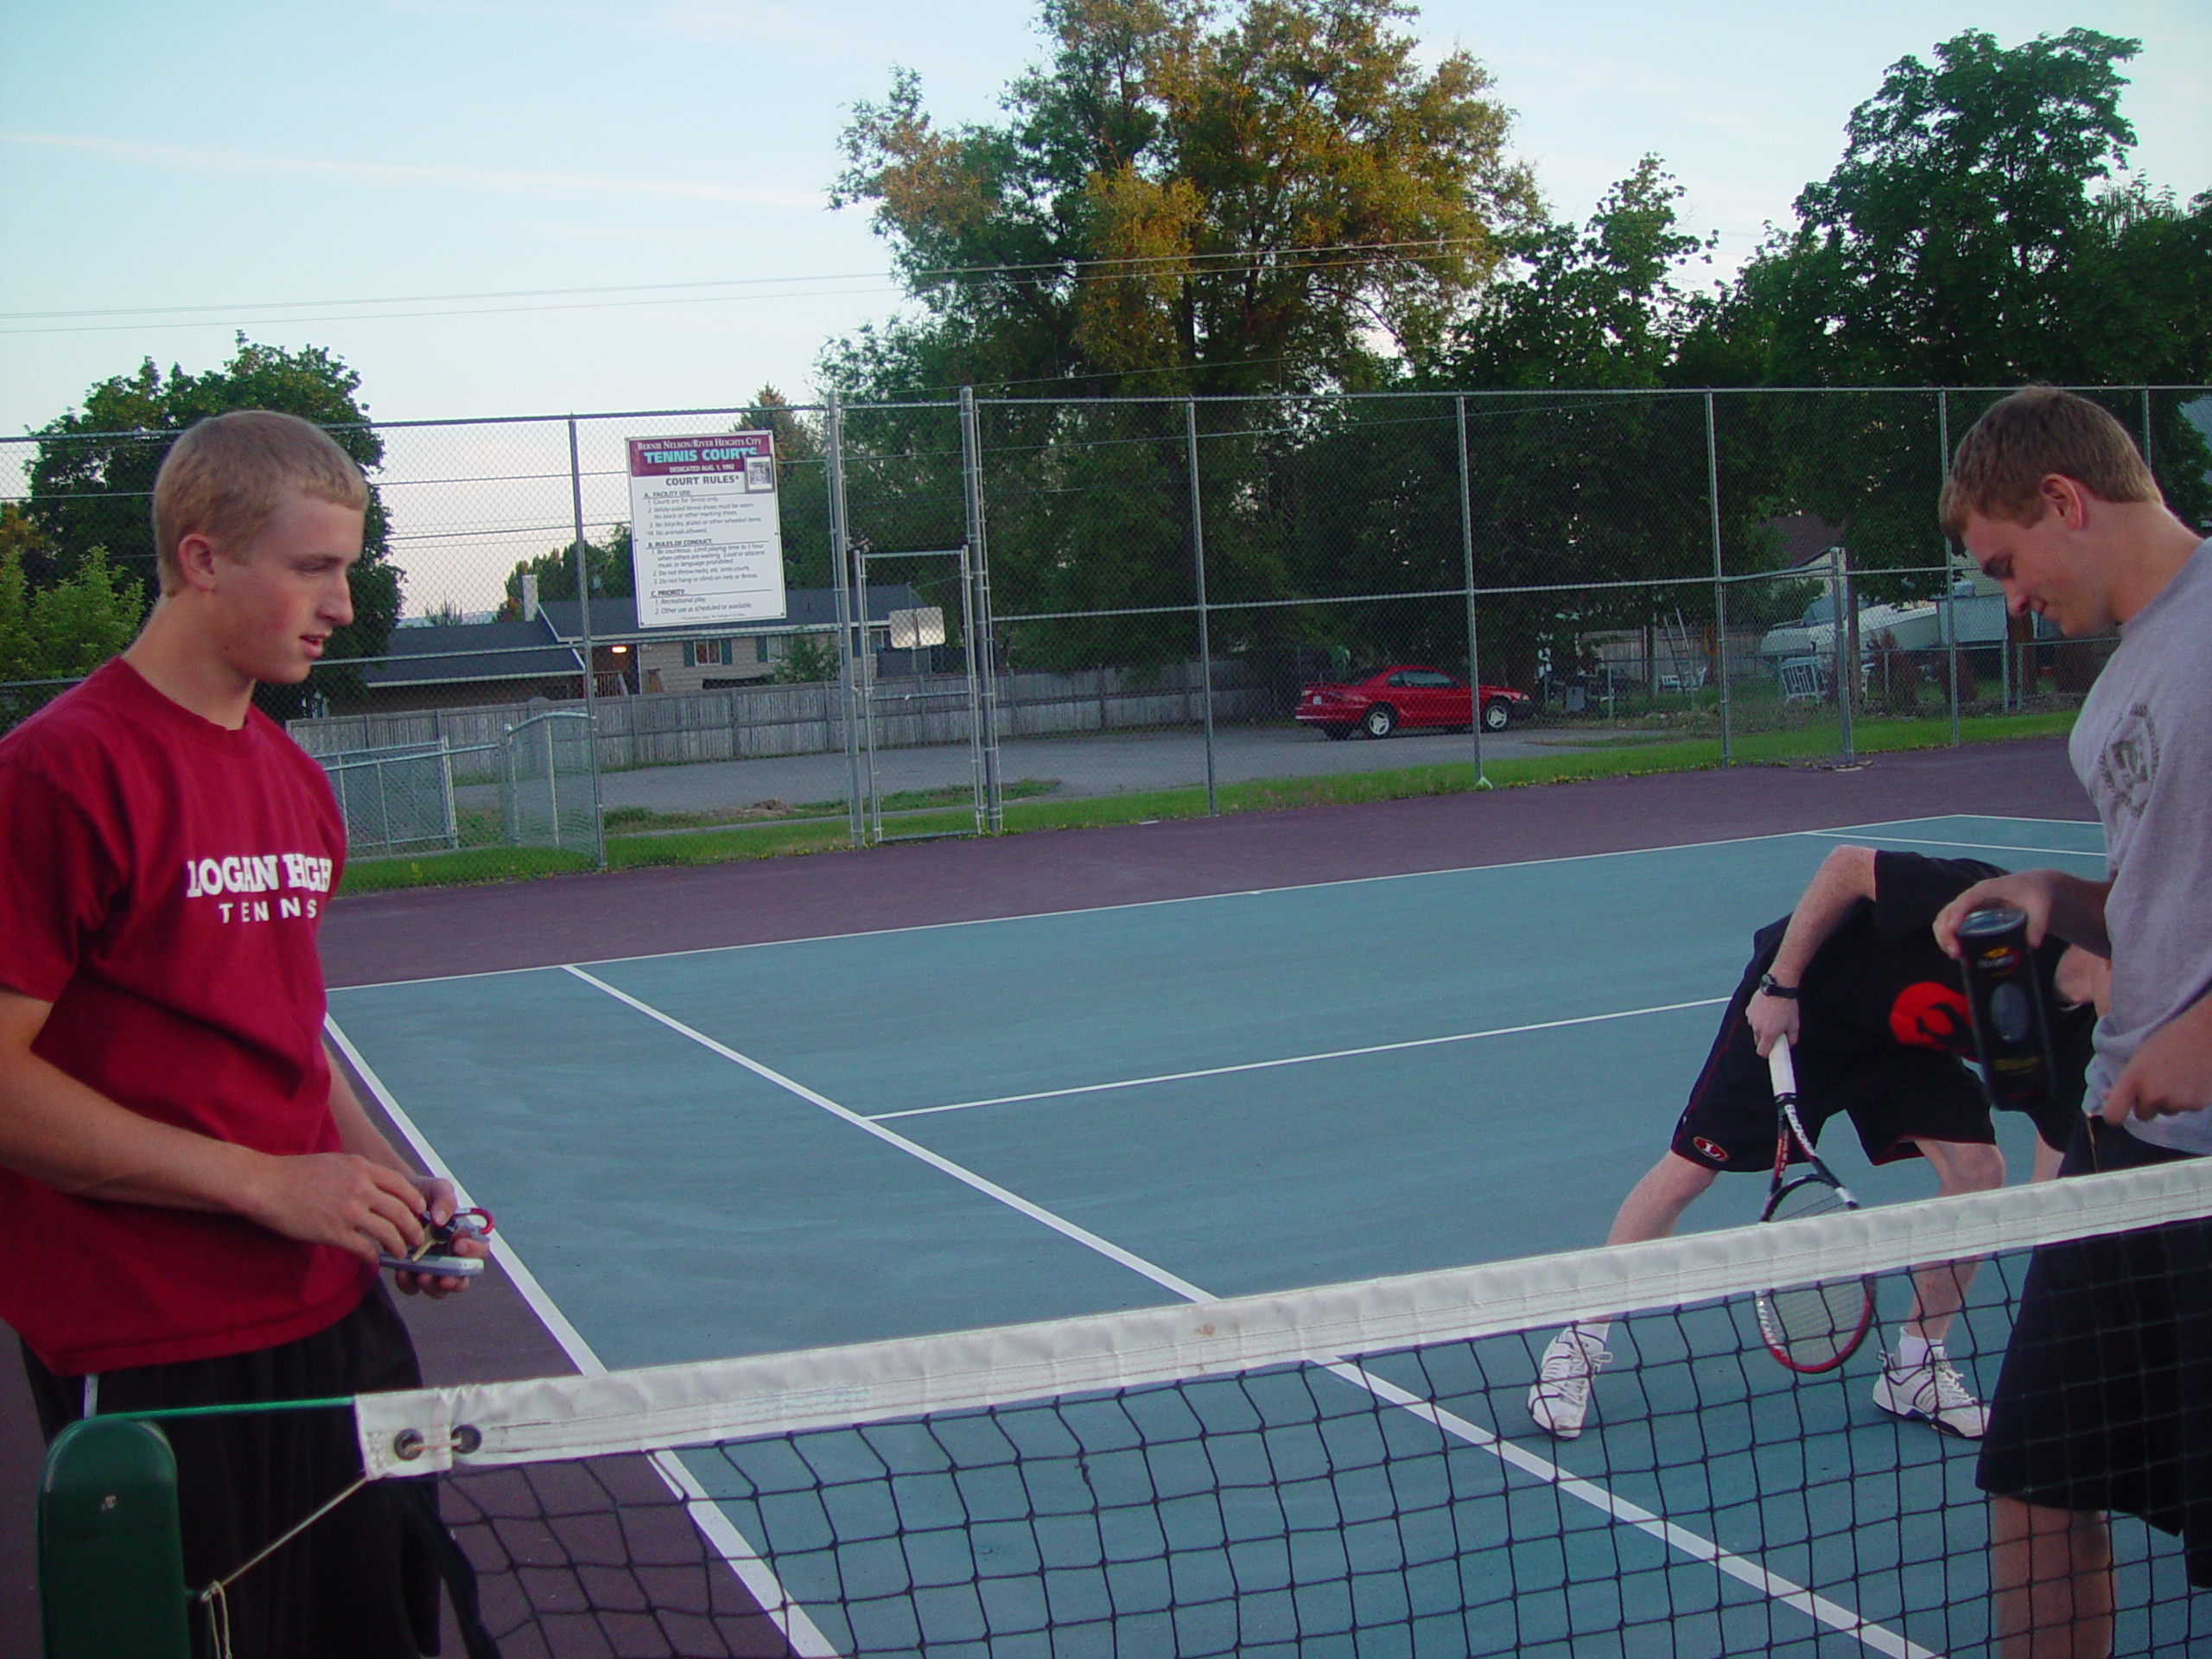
(1891, 1094)
(357, 1584)
(2105, 1399)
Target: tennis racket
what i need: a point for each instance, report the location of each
(1810, 1328)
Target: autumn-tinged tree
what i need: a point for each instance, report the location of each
(1178, 202)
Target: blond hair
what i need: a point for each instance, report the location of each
(2000, 465)
(226, 475)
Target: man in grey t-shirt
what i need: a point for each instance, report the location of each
(2106, 1390)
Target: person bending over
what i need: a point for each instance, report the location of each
(1877, 1019)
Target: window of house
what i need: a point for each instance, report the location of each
(700, 653)
(759, 648)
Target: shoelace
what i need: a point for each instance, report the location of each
(1573, 1364)
(1950, 1388)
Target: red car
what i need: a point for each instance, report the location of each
(1403, 695)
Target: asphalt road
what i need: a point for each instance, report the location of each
(1106, 764)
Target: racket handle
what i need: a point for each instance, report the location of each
(1780, 1069)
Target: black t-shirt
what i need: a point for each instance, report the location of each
(1880, 979)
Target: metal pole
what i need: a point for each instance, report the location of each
(1198, 559)
(834, 473)
(2147, 430)
(591, 698)
(1467, 565)
(1950, 570)
(552, 780)
(980, 667)
(1720, 584)
(1846, 664)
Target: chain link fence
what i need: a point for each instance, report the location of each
(992, 601)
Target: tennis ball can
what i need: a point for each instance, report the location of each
(2012, 1027)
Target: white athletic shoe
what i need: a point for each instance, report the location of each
(1560, 1398)
(1934, 1392)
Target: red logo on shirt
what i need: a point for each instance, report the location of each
(1719, 1155)
(1928, 1015)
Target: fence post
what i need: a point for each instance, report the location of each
(980, 665)
(1198, 559)
(1467, 563)
(1950, 570)
(1846, 641)
(2146, 433)
(591, 676)
(1719, 580)
(834, 474)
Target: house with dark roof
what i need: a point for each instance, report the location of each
(468, 664)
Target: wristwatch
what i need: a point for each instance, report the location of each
(1768, 985)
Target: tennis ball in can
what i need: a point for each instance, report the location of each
(2011, 1032)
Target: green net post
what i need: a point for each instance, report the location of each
(111, 1559)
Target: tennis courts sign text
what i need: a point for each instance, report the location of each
(705, 536)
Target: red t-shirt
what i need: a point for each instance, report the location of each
(160, 881)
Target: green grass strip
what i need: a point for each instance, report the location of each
(656, 839)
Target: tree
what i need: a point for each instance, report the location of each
(812, 657)
(62, 632)
(1176, 205)
(93, 481)
(1972, 234)
(613, 575)
(1965, 237)
(1596, 306)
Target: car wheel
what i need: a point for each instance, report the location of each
(1497, 713)
(1380, 721)
(1338, 734)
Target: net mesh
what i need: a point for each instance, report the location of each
(1350, 1469)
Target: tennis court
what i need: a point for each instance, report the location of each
(884, 1134)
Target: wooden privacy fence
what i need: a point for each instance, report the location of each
(682, 728)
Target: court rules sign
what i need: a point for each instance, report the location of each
(705, 535)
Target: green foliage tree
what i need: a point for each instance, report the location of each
(802, 488)
(92, 479)
(62, 632)
(812, 657)
(612, 574)
(1177, 204)
(1938, 251)
(1971, 235)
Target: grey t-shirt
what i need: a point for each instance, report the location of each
(2142, 746)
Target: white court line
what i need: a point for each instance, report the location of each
(753, 1570)
(1298, 1060)
(1966, 845)
(1060, 1224)
(1134, 904)
(1990, 818)
(1694, 1545)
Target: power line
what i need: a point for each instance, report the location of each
(1219, 263)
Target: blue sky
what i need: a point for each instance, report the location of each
(191, 170)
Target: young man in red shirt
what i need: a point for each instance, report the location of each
(192, 1198)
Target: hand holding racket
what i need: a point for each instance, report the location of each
(1810, 1328)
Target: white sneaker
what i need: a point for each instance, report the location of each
(1560, 1398)
(1934, 1392)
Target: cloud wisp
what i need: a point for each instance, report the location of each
(183, 158)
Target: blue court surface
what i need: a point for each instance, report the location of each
(883, 1135)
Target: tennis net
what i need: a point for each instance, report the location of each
(1350, 1469)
